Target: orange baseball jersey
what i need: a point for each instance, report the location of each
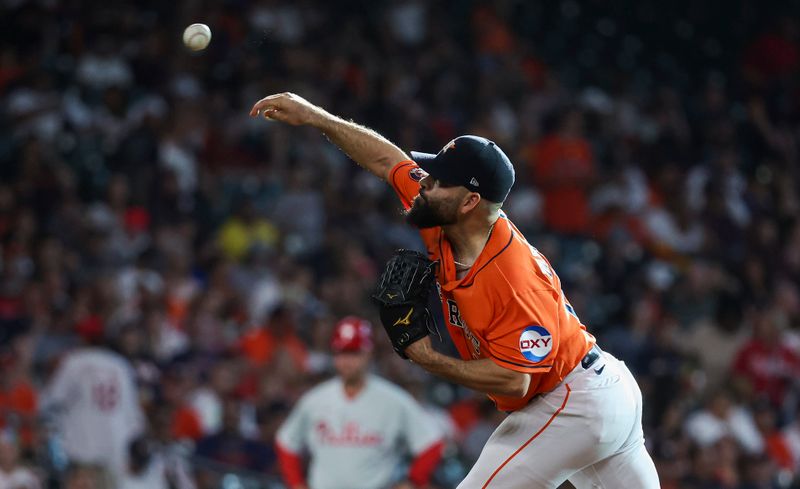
(509, 307)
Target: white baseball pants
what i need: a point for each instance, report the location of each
(588, 430)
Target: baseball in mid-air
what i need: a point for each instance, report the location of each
(196, 37)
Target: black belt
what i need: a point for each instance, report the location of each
(591, 357)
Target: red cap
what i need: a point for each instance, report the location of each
(137, 219)
(352, 334)
(90, 328)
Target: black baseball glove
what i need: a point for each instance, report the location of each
(402, 296)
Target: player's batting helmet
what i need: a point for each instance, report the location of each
(352, 334)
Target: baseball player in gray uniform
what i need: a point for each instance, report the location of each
(356, 427)
(95, 405)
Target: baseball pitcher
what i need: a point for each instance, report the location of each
(574, 411)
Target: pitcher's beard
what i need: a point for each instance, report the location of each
(423, 214)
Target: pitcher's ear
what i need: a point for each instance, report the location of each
(470, 201)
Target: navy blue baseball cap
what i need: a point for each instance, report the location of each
(472, 162)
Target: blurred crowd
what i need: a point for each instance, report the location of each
(145, 215)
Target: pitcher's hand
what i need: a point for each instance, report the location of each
(289, 108)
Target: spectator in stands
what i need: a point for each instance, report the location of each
(13, 474)
(185, 423)
(230, 448)
(721, 418)
(765, 364)
(18, 399)
(245, 231)
(564, 169)
(264, 344)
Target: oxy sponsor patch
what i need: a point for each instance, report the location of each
(535, 343)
